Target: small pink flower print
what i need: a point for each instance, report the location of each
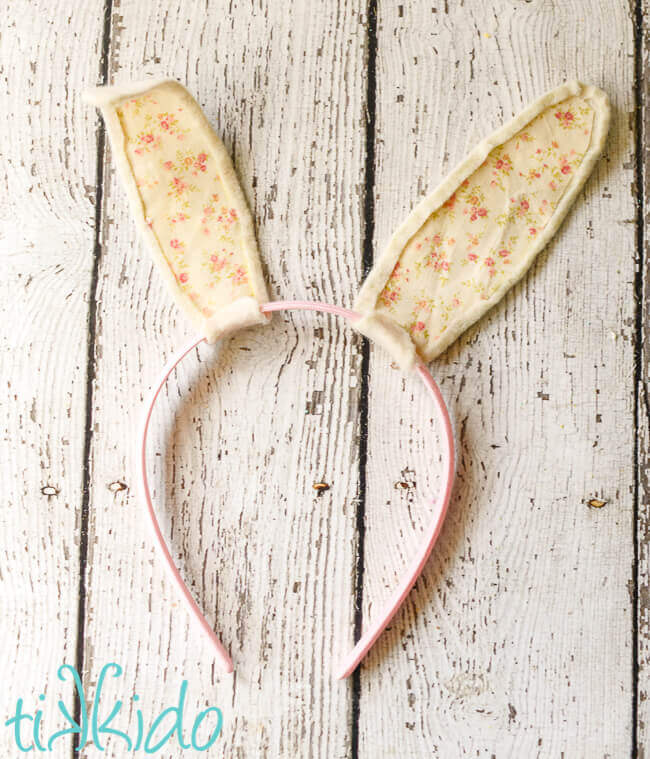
(492, 272)
(148, 138)
(565, 118)
(504, 253)
(524, 204)
(554, 144)
(451, 241)
(436, 240)
(489, 262)
(183, 277)
(444, 265)
(175, 243)
(199, 164)
(178, 187)
(397, 272)
(499, 164)
(450, 202)
(552, 185)
(239, 277)
(168, 165)
(476, 212)
(217, 263)
(456, 302)
(566, 169)
(533, 231)
(164, 123)
(419, 326)
(472, 256)
(473, 200)
(233, 214)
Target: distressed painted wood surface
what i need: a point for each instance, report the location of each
(256, 425)
(48, 148)
(520, 638)
(642, 377)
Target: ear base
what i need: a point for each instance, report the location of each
(187, 203)
(476, 235)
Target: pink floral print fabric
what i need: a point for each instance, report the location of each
(466, 249)
(186, 204)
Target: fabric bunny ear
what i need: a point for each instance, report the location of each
(468, 242)
(188, 203)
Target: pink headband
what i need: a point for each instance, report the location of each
(455, 256)
(412, 573)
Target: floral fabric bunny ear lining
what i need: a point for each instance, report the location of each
(453, 258)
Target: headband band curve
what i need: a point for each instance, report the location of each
(409, 577)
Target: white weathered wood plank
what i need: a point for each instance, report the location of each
(643, 410)
(46, 255)
(517, 640)
(256, 426)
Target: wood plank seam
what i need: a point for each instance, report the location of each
(639, 483)
(367, 260)
(90, 374)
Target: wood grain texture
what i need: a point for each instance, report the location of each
(518, 638)
(46, 253)
(252, 427)
(642, 20)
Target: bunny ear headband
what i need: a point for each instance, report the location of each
(452, 259)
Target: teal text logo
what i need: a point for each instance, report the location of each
(96, 722)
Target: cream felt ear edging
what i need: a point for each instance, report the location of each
(242, 311)
(382, 328)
